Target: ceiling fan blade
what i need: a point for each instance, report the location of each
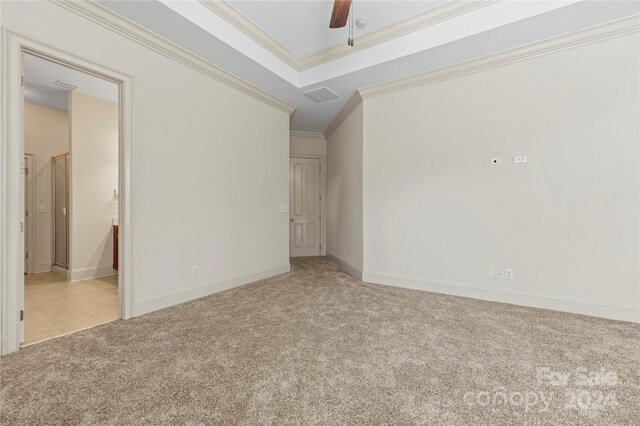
(340, 13)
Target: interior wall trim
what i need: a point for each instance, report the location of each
(536, 300)
(237, 19)
(595, 34)
(136, 33)
(347, 109)
(448, 10)
(310, 135)
(43, 267)
(166, 300)
(351, 270)
(93, 272)
(63, 272)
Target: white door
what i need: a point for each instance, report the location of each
(29, 209)
(26, 214)
(22, 202)
(304, 205)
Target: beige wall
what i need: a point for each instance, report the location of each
(46, 135)
(344, 191)
(303, 143)
(206, 186)
(437, 214)
(94, 176)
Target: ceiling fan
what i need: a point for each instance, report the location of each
(340, 13)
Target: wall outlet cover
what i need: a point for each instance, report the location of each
(508, 274)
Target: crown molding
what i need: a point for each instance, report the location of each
(233, 16)
(449, 10)
(548, 46)
(443, 12)
(346, 110)
(136, 33)
(308, 135)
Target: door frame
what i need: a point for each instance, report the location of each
(323, 215)
(11, 176)
(30, 203)
(54, 207)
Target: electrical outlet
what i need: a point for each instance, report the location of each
(508, 274)
(491, 272)
(496, 161)
(519, 159)
(195, 271)
(499, 273)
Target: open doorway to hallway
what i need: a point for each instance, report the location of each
(71, 139)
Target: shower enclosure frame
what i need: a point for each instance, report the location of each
(55, 209)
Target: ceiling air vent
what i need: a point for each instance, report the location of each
(320, 95)
(66, 86)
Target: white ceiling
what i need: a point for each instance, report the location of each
(40, 76)
(494, 27)
(303, 26)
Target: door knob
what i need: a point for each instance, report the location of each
(291, 219)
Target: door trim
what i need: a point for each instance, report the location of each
(323, 215)
(12, 151)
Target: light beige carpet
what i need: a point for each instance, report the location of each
(316, 346)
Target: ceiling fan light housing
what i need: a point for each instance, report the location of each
(361, 23)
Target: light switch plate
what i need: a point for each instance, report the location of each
(41, 208)
(491, 272)
(500, 273)
(519, 159)
(284, 209)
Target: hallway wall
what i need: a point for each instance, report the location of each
(94, 176)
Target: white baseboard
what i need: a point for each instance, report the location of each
(352, 270)
(60, 271)
(544, 301)
(42, 267)
(88, 273)
(180, 296)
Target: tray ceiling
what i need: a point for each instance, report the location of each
(258, 47)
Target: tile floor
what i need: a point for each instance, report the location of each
(54, 306)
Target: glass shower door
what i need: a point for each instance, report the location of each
(60, 208)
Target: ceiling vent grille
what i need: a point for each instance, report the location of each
(66, 86)
(320, 95)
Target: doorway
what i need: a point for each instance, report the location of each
(15, 196)
(71, 126)
(305, 204)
